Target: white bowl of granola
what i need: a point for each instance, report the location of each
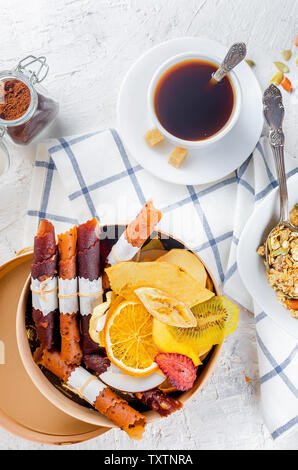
(283, 280)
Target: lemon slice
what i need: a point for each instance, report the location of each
(128, 339)
(165, 308)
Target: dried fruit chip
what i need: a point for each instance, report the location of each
(216, 319)
(178, 369)
(286, 55)
(173, 280)
(166, 339)
(153, 244)
(277, 78)
(281, 67)
(165, 308)
(188, 261)
(203, 357)
(167, 387)
(97, 320)
(209, 283)
(128, 339)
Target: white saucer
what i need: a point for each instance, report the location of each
(204, 165)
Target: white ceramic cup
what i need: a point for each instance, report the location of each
(194, 144)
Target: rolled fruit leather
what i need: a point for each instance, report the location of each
(135, 235)
(44, 284)
(100, 396)
(71, 351)
(90, 282)
(132, 239)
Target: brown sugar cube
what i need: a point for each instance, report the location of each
(153, 137)
(177, 157)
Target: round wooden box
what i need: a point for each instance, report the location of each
(24, 410)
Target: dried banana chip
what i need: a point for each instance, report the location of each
(165, 308)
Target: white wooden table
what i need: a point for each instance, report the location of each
(90, 44)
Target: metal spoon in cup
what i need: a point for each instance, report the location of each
(235, 55)
(274, 113)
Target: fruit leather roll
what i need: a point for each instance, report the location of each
(100, 396)
(90, 282)
(158, 401)
(135, 235)
(44, 284)
(71, 351)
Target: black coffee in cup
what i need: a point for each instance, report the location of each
(188, 105)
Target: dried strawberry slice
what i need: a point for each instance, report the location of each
(178, 369)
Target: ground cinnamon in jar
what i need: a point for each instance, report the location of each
(15, 99)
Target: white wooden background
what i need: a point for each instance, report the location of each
(90, 44)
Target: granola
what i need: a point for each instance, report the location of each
(282, 273)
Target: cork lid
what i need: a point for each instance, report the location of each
(24, 411)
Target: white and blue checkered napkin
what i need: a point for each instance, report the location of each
(92, 176)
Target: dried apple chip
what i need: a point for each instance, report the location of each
(188, 261)
(126, 277)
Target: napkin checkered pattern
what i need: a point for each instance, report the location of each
(91, 175)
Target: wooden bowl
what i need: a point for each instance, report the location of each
(74, 409)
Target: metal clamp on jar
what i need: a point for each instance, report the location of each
(26, 108)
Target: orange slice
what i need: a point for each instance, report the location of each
(165, 308)
(128, 339)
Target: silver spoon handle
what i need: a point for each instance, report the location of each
(235, 55)
(279, 158)
(274, 114)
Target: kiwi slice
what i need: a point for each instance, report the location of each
(216, 318)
